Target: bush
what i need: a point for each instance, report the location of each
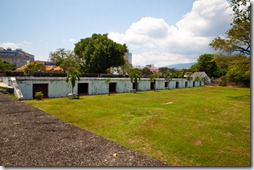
(39, 95)
(222, 83)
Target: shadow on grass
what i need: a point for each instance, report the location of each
(239, 98)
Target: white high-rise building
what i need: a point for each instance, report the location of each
(128, 57)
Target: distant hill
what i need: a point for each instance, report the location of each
(181, 65)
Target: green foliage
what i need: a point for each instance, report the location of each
(99, 53)
(189, 78)
(146, 72)
(207, 64)
(135, 75)
(204, 79)
(108, 81)
(59, 55)
(39, 95)
(6, 66)
(73, 74)
(167, 76)
(154, 76)
(197, 79)
(239, 70)
(222, 83)
(70, 61)
(238, 38)
(34, 66)
(202, 126)
(65, 59)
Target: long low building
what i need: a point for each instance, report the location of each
(53, 87)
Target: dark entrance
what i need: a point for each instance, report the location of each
(177, 84)
(186, 84)
(166, 84)
(152, 86)
(40, 88)
(82, 88)
(112, 88)
(193, 84)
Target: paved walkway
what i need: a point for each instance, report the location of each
(31, 137)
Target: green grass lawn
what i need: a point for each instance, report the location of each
(202, 126)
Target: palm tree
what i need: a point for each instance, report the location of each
(189, 78)
(135, 76)
(72, 75)
(108, 81)
(168, 77)
(153, 77)
(197, 79)
(204, 79)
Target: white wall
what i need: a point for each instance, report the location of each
(58, 87)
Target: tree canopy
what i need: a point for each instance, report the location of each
(99, 53)
(238, 38)
(207, 64)
(59, 55)
(34, 66)
(6, 66)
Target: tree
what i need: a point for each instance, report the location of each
(71, 60)
(146, 72)
(6, 66)
(239, 70)
(59, 55)
(168, 76)
(204, 79)
(108, 81)
(34, 66)
(207, 64)
(153, 77)
(135, 76)
(238, 38)
(73, 74)
(99, 53)
(189, 78)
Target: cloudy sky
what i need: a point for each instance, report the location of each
(159, 32)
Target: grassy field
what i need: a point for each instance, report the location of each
(203, 126)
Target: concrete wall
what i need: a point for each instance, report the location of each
(58, 87)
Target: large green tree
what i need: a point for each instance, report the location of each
(59, 55)
(238, 39)
(99, 53)
(207, 64)
(239, 70)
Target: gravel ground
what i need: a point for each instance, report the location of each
(31, 137)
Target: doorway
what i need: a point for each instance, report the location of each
(177, 84)
(112, 88)
(40, 88)
(83, 89)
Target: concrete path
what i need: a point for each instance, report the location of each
(31, 137)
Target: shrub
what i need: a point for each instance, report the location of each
(39, 95)
(222, 83)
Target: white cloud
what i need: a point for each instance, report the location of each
(10, 45)
(72, 40)
(25, 44)
(153, 41)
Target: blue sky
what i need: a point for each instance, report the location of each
(159, 32)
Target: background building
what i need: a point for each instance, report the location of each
(128, 57)
(17, 57)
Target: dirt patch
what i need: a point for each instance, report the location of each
(31, 137)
